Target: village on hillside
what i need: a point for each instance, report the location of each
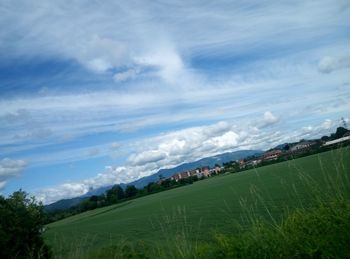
(284, 152)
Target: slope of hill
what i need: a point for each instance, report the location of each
(140, 183)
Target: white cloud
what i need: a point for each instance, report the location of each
(126, 75)
(2, 184)
(35, 133)
(167, 60)
(269, 117)
(226, 141)
(115, 145)
(193, 60)
(99, 65)
(186, 145)
(10, 168)
(110, 176)
(177, 147)
(164, 151)
(329, 64)
(325, 128)
(99, 54)
(308, 129)
(113, 36)
(268, 120)
(146, 157)
(327, 124)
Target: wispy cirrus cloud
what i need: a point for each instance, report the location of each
(124, 73)
(10, 168)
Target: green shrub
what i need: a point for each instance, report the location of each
(21, 224)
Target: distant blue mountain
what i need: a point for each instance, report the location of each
(140, 183)
(208, 161)
(64, 204)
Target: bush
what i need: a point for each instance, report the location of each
(21, 224)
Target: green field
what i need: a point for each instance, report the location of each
(194, 212)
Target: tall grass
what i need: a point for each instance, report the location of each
(318, 227)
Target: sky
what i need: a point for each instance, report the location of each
(96, 93)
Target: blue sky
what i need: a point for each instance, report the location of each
(99, 93)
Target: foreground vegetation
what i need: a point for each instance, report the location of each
(296, 208)
(321, 232)
(21, 225)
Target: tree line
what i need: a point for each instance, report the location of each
(117, 195)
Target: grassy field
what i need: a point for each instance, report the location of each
(193, 213)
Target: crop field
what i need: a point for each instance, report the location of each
(219, 204)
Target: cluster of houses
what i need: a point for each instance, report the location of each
(270, 155)
(300, 147)
(346, 137)
(243, 163)
(274, 154)
(202, 172)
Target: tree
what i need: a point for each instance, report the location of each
(153, 187)
(115, 194)
(166, 183)
(21, 224)
(325, 138)
(130, 191)
(286, 147)
(340, 132)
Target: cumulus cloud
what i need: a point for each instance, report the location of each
(173, 148)
(10, 168)
(164, 151)
(324, 128)
(226, 141)
(109, 176)
(268, 120)
(186, 145)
